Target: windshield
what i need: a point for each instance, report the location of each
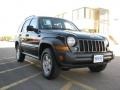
(55, 24)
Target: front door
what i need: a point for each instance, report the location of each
(24, 36)
(33, 38)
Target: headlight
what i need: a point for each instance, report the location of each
(106, 42)
(71, 41)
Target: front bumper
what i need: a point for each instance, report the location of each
(83, 59)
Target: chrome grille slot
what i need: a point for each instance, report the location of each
(97, 46)
(81, 45)
(100, 42)
(92, 46)
(103, 46)
(86, 45)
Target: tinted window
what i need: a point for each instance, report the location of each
(27, 22)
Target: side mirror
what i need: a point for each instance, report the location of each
(30, 28)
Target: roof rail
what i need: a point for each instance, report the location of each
(32, 16)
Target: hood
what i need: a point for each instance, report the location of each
(85, 35)
(77, 34)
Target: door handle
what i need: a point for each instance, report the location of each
(27, 35)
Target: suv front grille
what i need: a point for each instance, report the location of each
(92, 46)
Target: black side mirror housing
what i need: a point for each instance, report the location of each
(30, 28)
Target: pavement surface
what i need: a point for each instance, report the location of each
(27, 75)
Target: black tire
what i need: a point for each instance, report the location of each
(19, 55)
(50, 70)
(97, 68)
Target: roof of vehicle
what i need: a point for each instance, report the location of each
(33, 16)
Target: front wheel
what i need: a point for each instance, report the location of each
(19, 55)
(97, 68)
(50, 68)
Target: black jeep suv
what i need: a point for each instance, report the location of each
(60, 45)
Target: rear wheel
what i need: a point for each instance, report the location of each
(50, 68)
(19, 55)
(97, 68)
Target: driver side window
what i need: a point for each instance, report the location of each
(24, 28)
(34, 23)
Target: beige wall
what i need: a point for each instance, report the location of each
(89, 19)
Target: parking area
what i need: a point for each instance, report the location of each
(27, 76)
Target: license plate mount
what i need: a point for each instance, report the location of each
(98, 59)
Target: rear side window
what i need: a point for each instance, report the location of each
(46, 24)
(24, 28)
